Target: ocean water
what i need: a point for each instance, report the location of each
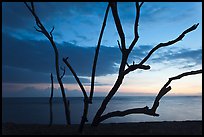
(37, 110)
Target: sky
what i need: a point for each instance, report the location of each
(28, 57)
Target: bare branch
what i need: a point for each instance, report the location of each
(137, 20)
(32, 5)
(119, 46)
(75, 76)
(52, 87)
(37, 20)
(118, 23)
(136, 66)
(63, 69)
(38, 30)
(166, 88)
(141, 4)
(84, 116)
(28, 7)
(144, 110)
(127, 64)
(186, 74)
(49, 37)
(96, 54)
(180, 37)
(136, 26)
(51, 32)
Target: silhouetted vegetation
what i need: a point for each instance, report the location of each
(124, 71)
(49, 36)
(124, 67)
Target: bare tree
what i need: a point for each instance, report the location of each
(88, 100)
(49, 36)
(124, 67)
(123, 71)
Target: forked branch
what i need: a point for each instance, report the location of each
(145, 110)
(63, 69)
(138, 6)
(166, 88)
(179, 38)
(118, 24)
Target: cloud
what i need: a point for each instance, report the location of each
(154, 12)
(30, 60)
(183, 58)
(18, 21)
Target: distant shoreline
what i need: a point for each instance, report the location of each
(193, 127)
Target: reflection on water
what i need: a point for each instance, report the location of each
(36, 110)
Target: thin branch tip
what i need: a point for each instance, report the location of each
(141, 4)
(197, 24)
(52, 30)
(37, 29)
(66, 58)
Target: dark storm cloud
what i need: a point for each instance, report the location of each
(30, 61)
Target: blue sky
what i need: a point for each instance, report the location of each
(28, 58)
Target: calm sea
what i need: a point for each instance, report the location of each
(36, 110)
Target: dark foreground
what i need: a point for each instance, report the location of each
(141, 128)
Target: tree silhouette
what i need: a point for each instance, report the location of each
(124, 71)
(49, 36)
(124, 68)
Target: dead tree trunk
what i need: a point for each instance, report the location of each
(49, 36)
(50, 100)
(125, 53)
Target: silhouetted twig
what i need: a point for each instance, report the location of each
(63, 69)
